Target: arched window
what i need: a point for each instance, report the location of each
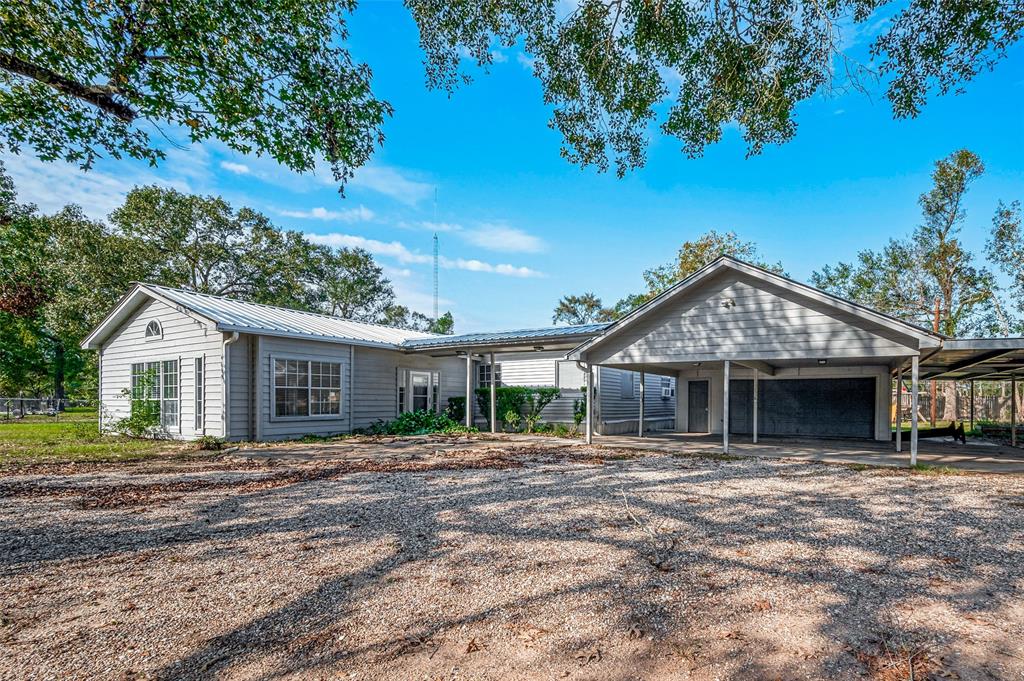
(153, 330)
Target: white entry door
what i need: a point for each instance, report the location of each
(420, 393)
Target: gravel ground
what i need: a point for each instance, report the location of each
(510, 562)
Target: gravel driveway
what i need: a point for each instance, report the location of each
(510, 562)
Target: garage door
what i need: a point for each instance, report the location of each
(823, 407)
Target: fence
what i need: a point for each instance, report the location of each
(992, 407)
(14, 408)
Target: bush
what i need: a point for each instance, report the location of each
(511, 420)
(418, 423)
(536, 400)
(209, 443)
(508, 398)
(456, 410)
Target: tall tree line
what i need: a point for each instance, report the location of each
(60, 273)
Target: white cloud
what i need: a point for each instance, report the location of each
(440, 227)
(389, 182)
(359, 214)
(498, 57)
(497, 237)
(401, 253)
(51, 185)
(236, 168)
(525, 61)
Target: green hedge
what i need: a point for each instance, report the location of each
(418, 423)
(520, 402)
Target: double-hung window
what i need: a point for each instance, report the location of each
(156, 385)
(200, 423)
(306, 388)
(484, 374)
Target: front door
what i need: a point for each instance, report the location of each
(697, 407)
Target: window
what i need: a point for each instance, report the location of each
(484, 375)
(161, 379)
(419, 390)
(628, 384)
(153, 330)
(304, 388)
(200, 394)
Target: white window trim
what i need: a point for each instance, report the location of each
(161, 399)
(435, 374)
(340, 416)
(159, 327)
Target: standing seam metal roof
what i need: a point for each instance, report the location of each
(237, 315)
(499, 336)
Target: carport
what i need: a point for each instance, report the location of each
(758, 354)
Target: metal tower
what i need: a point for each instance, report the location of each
(437, 252)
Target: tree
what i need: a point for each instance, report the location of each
(577, 310)
(931, 269)
(607, 67)
(401, 317)
(203, 244)
(83, 78)
(1006, 249)
(692, 256)
(79, 79)
(355, 286)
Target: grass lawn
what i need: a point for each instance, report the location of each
(73, 436)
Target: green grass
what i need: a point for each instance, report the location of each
(73, 436)
(928, 469)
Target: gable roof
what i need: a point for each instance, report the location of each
(230, 315)
(926, 337)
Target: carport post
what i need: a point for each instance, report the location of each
(590, 404)
(756, 372)
(641, 404)
(1013, 410)
(899, 409)
(915, 373)
(469, 389)
(972, 405)
(494, 399)
(725, 410)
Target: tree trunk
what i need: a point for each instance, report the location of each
(58, 374)
(949, 408)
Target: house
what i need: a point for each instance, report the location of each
(245, 371)
(732, 350)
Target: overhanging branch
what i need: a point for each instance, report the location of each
(99, 96)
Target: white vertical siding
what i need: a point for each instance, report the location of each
(184, 338)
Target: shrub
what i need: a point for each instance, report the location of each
(418, 423)
(456, 410)
(579, 410)
(209, 443)
(144, 417)
(508, 398)
(512, 418)
(536, 400)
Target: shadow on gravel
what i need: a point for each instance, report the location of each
(682, 531)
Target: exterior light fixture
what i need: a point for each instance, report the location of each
(538, 348)
(822, 362)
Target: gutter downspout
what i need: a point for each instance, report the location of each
(225, 407)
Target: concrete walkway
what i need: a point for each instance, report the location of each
(976, 455)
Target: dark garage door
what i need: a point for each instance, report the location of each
(821, 407)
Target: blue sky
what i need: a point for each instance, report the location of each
(520, 227)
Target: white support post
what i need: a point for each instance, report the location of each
(1013, 410)
(899, 409)
(915, 373)
(469, 389)
(641, 404)
(756, 372)
(494, 399)
(590, 404)
(725, 411)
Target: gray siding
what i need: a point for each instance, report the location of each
(184, 338)
(734, 316)
(376, 381)
(614, 408)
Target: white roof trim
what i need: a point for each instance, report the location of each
(129, 303)
(928, 338)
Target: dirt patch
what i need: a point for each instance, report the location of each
(500, 560)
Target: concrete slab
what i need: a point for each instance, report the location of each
(976, 455)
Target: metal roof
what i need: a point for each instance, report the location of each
(237, 315)
(519, 336)
(963, 359)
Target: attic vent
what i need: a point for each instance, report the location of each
(153, 330)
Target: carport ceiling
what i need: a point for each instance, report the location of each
(976, 358)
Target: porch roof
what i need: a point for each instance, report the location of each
(963, 359)
(543, 338)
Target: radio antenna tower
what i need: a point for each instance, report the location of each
(437, 252)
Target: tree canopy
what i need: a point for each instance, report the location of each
(85, 78)
(59, 274)
(576, 310)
